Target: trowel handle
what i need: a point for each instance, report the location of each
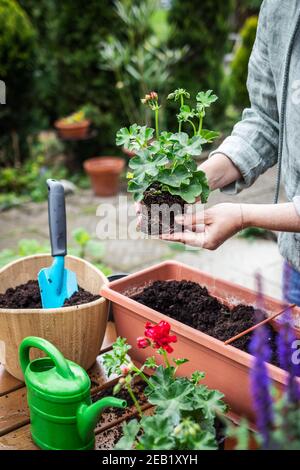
(57, 218)
(58, 359)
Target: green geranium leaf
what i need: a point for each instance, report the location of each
(176, 95)
(188, 146)
(174, 399)
(186, 113)
(135, 137)
(209, 136)
(130, 431)
(206, 98)
(179, 362)
(117, 357)
(189, 193)
(174, 178)
(204, 441)
(157, 433)
(144, 164)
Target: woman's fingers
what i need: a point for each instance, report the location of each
(191, 218)
(186, 237)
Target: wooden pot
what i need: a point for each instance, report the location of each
(77, 331)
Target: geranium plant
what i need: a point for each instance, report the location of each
(165, 160)
(185, 410)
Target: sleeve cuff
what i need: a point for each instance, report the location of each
(245, 158)
(296, 201)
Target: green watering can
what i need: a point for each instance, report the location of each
(58, 393)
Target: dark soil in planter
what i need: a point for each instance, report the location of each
(123, 395)
(161, 219)
(192, 305)
(28, 296)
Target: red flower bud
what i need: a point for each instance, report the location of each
(125, 369)
(143, 343)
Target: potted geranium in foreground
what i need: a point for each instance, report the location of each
(186, 412)
(163, 175)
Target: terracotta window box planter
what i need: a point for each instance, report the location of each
(226, 367)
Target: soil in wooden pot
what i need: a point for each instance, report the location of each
(28, 296)
(159, 209)
(191, 304)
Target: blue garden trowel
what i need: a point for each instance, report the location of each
(57, 283)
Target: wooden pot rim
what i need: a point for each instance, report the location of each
(60, 310)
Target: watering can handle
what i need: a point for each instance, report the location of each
(57, 218)
(60, 362)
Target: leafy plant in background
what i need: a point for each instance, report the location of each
(85, 112)
(92, 250)
(166, 158)
(17, 53)
(89, 249)
(140, 60)
(185, 410)
(204, 28)
(239, 66)
(26, 247)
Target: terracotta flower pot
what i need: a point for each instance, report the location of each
(77, 130)
(226, 367)
(77, 331)
(104, 173)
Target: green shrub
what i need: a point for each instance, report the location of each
(68, 72)
(17, 55)
(239, 66)
(204, 28)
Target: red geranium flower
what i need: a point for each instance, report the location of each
(159, 335)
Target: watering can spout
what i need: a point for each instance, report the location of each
(88, 415)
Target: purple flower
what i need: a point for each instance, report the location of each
(259, 377)
(261, 384)
(285, 342)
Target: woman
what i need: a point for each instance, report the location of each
(269, 132)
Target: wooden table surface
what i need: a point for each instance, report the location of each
(14, 414)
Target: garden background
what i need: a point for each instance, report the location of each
(59, 57)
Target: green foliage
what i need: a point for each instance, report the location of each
(88, 249)
(26, 247)
(239, 67)
(17, 55)
(67, 68)
(21, 184)
(168, 160)
(139, 60)
(203, 28)
(184, 417)
(114, 359)
(185, 411)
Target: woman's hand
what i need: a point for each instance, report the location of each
(210, 228)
